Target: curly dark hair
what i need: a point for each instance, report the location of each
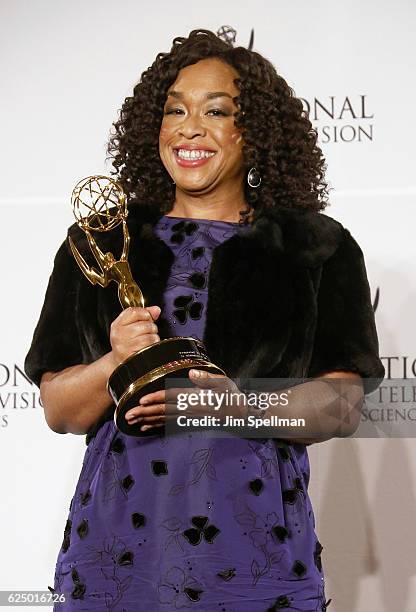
(278, 137)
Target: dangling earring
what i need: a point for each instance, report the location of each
(254, 178)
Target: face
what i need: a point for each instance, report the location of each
(199, 144)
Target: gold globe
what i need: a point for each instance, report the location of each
(99, 203)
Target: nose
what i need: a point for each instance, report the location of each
(192, 126)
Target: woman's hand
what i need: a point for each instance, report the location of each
(133, 330)
(152, 409)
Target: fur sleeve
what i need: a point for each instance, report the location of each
(56, 342)
(346, 336)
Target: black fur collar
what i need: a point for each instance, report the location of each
(261, 300)
(308, 237)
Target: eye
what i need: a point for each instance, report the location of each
(173, 111)
(217, 112)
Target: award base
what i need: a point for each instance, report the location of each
(145, 372)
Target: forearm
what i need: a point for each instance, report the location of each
(75, 398)
(317, 410)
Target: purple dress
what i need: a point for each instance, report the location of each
(190, 521)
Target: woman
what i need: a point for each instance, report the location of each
(225, 181)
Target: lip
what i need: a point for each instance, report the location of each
(193, 147)
(192, 163)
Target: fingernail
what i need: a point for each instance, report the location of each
(198, 373)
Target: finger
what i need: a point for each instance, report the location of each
(177, 395)
(152, 420)
(154, 311)
(147, 426)
(140, 328)
(127, 338)
(207, 379)
(156, 397)
(135, 415)
(191, 403)
(137, 313)
(144, 340)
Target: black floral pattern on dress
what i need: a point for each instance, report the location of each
(197, 280)
(260, 532)
(299, 568)
(197, 252)
(290, 496)
(126, 558)
(85, 497)
(80, 588)
(284, 452)
(203, 465)
(138, 520)
(178, 588)
(182, 229)
(110, 472)
(256, 486)
(281, 602)
(127, 482)
(173, 525)
(317, 555)
(200, 531)
(117, 446)
(113, 558)
(82, 529)
(280, 532)
(185, 305)
(227, 574)
(67, 536)
(159, 467)
(269, 465)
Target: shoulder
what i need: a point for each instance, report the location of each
(309, 237)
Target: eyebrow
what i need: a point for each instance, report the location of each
(209, 96)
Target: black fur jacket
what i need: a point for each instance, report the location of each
(289, 298)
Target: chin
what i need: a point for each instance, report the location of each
(193, 186)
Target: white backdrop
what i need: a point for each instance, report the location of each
(65, 70)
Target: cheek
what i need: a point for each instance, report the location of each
(164, 140)
(163, 134)
(166, 132)
(238, 140)
(235, 140)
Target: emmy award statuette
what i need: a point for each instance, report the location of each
(99, 205)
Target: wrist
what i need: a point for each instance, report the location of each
(110, 363)
(251, 408)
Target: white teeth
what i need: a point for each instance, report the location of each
(194, 153)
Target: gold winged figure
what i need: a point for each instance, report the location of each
(129, 292)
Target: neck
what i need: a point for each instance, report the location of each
(223, 205)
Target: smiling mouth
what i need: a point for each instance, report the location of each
(193, 154)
